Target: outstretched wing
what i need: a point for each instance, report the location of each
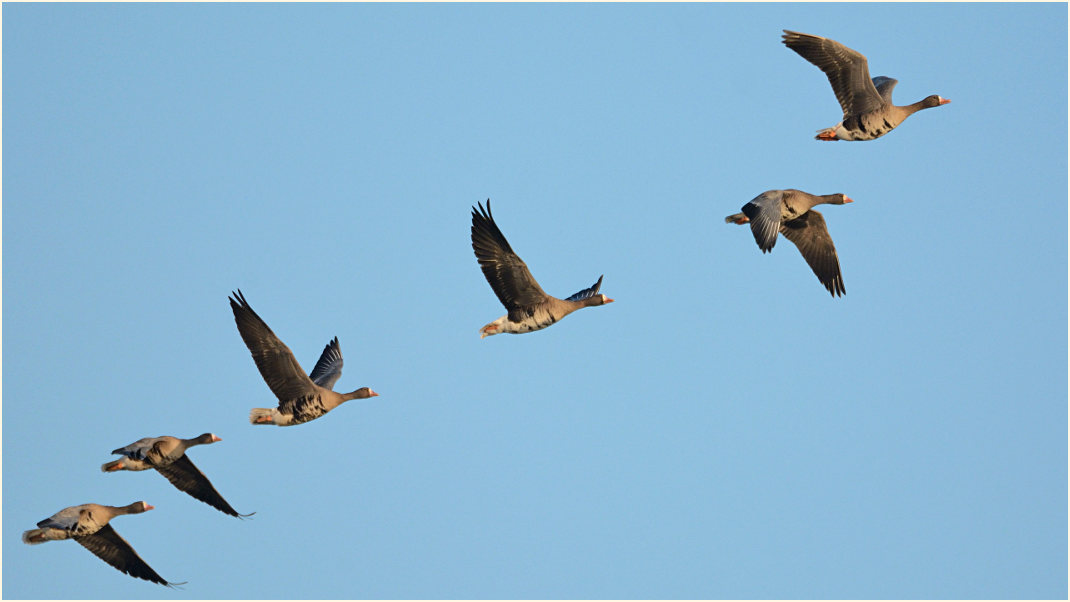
(107, 545)
(506, 273)
(810, 234)
(273, 358)
(847, 70)
(329, 367)
(187, 477)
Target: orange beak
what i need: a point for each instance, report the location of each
(214, 439)
(608, 300)
(847, 199)
(148, 507)
(373, 394)
(944, 101)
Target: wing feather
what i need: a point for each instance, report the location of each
(587, 293)
(273, 358)
(764, 213)
(107, 545)
(329, 367)
(66, 519)
(188, 478)
(506, 273)
(884, 86)
(847, 70)
(811, 236)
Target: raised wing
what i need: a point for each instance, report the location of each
(847, 70)
(587, 292)
(187, 477)
(507, 274)
(107, 545)
(273, 358)
(884, 86)
(764, 213)
(329, 367)
(810, 234)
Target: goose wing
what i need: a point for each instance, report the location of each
(66, 519)
(847, 70)
(107, 545)
(764, 213)
(138, 450)
(187, 477)
(811, 236)
(506, 273)
(273, 358)
(329, 367)
(884, 86)
(587, 293)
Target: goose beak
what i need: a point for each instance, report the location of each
(214, 439)
(608, 300)
(149, 507)
(944, 101)
(372, 394)
(847, 199)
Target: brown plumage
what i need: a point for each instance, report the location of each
(300, 399)
(88, 525)
(168, 456)
(789, 212)
(868, 112)
(529, 307)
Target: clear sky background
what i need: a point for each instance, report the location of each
(725, 429)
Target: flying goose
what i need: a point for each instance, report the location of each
(868, 112)
(168, 456)
(301, 397)
(529, 307)
(790, 213)
(88, 525)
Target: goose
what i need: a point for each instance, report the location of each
(168, 456)
(529, 307)
(868, 112)
(301, 397)
(791, 213)
(88, 525)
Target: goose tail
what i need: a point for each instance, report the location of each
(262, 416)
(34, 536)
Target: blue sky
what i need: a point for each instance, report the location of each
(725, 429)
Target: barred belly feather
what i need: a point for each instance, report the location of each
(304, 408)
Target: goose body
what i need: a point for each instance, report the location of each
(302, 397)
(790, 212)
(168, 456)
(529, 307)
(88, 525)
(868, 112)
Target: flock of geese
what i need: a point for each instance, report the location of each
(868, 113)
